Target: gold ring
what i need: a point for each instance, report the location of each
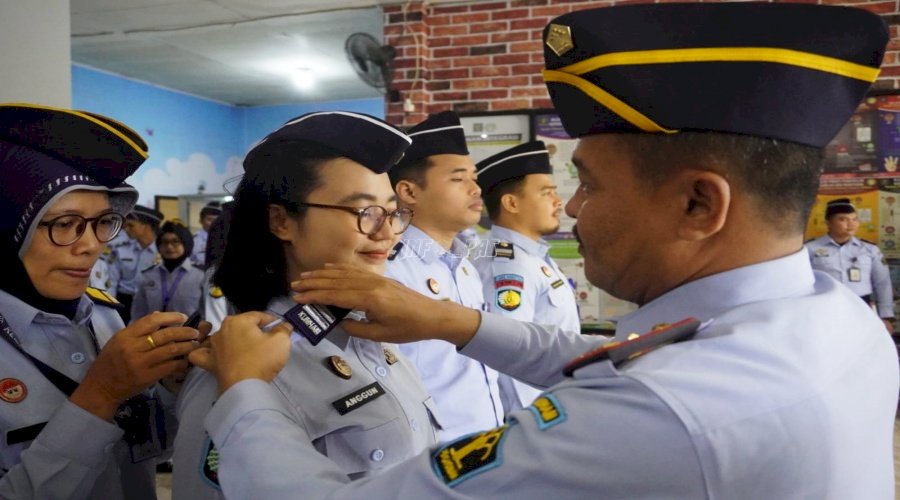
(151, 342)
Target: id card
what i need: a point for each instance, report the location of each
(854, 274)
(142, 420)
(314, 321)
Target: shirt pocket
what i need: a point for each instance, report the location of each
(358, 451)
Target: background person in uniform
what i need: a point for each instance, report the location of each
(315, 191)
(69, 370)
(174, 284)
(142, 226)
(208, 214)
(698, 161)
(520, 279)
(854, 262)
(436, 179)
(213, 304)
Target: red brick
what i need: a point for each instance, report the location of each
(529, 46)
(470, 40)
(552, 11)
(490, 71)
(537, 80)
(393, 30)
(487, 49)
(885, 84)
(450, 96)
(510, 36)
(512, 59)
(402, 41)
(527, 24)
(402, 85)
(513, 81)
(478, 17)
(440, 42)
(890, 71)
(467, 62)
(440, 63)
(541, 104)
(405, 18)
(415, 74)
(893, 45)
(451, 9)
(390, 9)
(889, 58)
(880, 7)
(528, 69)
(450, 30)
(471, 107)
(527, 3)
(478, 83)
(438, 20)
(509, 14)
(409, 62)
(433, 86)
(493, 27)
(504, 104)
(488, 6)
(490, 94)
(451, 74)
(529, 92)
(451, 52)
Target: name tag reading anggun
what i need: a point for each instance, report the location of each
(358, 398)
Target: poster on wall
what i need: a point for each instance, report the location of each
(488, 135)
(595, 306)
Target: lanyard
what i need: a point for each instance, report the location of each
(62, 382)
(169, 292)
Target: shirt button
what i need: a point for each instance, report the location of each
(77, 357)
(381, 371)
(377, 455)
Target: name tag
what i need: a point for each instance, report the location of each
(854, 274)
(356, 399)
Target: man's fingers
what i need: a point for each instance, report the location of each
(203, 357)
(154, 321)
(174, 334)
(170, 351)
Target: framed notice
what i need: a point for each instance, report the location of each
(487, 135)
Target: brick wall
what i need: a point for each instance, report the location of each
(487, 55)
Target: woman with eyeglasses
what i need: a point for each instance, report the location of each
(174, 284)
(315, 191)
(76, 417)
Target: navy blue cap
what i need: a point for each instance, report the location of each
(373, 143)
(839, 206)
(146, 215)
(528, 158)
(439, 134)
(794, 72)
(48, 152)
(211, 208)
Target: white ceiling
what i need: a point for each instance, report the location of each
(239, 52)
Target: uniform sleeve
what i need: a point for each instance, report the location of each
(65, 459)
(541, 351)
(881, 284)
(555, 449)
(504, 297)
(195, 474)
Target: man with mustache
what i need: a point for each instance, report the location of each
(520, 278)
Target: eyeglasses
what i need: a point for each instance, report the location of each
(65, 230)
(370, 219)
(173, 242)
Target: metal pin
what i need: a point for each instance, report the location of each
(269, 326)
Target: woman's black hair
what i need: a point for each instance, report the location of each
(253, 269)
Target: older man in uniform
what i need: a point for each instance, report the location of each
(520, 279)
(701, 128)
(142, 226)
(856, 263)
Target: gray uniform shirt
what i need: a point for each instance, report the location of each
(77, 455)
(387, 415)
(157, 282)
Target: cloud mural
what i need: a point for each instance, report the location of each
(184, 177)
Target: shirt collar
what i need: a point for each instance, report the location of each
(708, 297)
(20, 315)
(531, 247)
(418, 242)
(852, 241)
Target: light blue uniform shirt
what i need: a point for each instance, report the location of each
(773, 398)
(130, 260)
(377, 433)
(183, 285)
(524, 283)
(465, 390)
(198, 257)
(77, 455)
(840, 261)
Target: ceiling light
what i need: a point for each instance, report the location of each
(302, 78)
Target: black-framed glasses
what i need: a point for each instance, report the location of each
(370, 219)
(66, 229)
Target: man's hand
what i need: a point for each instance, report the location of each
(889, 324)
(394, 313)
(240, 350)
(173, 382)
(149, 349)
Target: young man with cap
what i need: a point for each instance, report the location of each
(436, 179)
(700, 132)
(76, 417)
(856, 263)
(140, 253)
(520, 279)
(208, 215)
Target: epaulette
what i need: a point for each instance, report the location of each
(395, 251)
(619, 352)
(148, 268)
(99, 296)
(504, 249)
(869, 242)
(216, 292)
(810, 240)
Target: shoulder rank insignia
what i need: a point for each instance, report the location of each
(619, 352)
(547, 411)
(559, 39)
(99, 296)
(396, 250)
(504, 249)
(216, 292)
(469, 456)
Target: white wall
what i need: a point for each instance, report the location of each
(35, 63)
